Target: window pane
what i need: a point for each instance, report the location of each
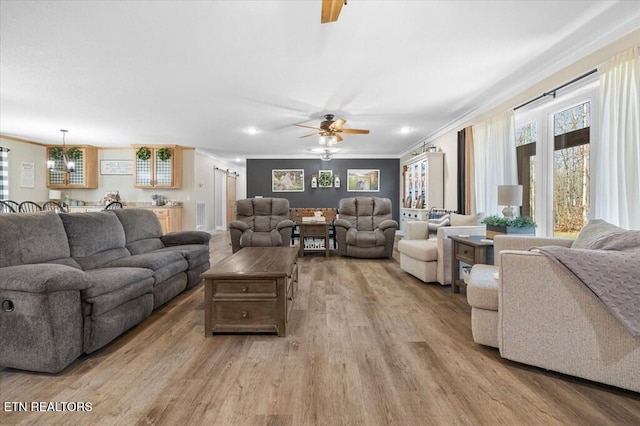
(571, 171)
(571, 119)
(527, 134)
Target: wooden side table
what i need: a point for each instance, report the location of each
(469, 250)
(315, 230)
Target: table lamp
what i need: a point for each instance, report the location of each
(509, 195)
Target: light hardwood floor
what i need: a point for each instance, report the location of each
(367, 345)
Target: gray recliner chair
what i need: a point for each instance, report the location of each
(365, 228)
(261, 222)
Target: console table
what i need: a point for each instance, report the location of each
(251, 291)
(470, 250)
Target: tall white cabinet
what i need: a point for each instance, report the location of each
(423, 186)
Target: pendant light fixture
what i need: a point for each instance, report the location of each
(68, 163)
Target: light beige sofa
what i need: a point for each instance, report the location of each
(430, 260)
(537, 314)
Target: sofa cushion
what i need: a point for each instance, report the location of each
(142, 230)
(114, 287)
(465, 219)
(95, 238)
(365, 213)
(366, 238)
(424, 250)
(195, 254)
(262, 214)
(34, 238)
(163, 264)
(482, 288)
(106, 280)
(260, 239)
(592, 231)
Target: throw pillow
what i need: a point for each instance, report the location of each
(593, 230)
(465, 219)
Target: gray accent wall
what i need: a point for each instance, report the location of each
(259, 180)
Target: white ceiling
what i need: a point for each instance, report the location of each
(117, 73)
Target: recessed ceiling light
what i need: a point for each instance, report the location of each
(252, 130)
(405, 130)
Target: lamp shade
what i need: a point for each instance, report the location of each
(510, 195)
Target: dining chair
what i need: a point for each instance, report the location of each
(114, 205)
(29, 207)
(14, 205)
(54, 206)
(6, 207)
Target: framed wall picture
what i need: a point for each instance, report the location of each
(325, 178)
(363, 180)
(287, 180)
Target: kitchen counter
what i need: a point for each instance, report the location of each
(170, 216)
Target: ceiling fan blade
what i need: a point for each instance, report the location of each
(306, 136)
(339, 138)
(355, 131)
(330, 10)
(336, 125)
(308, 127)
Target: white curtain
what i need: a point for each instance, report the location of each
(494, 160)
(616, 156)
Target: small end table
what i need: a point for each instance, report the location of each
(470, 250)
(317, 230)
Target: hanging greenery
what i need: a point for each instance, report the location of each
(325, 179)
(164, 154)
(74, 154)
(143, 153)
(55, 153)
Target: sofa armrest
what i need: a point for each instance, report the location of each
(342, 223)
(287, 223)
(239, 225)
(525, 242)
(180, 238)
(417, 230)
(387, 224)
(43, 278)
(445, 259)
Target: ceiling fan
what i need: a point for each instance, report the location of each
(331, 10)
(332, 128)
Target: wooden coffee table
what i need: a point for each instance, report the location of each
(251, 291)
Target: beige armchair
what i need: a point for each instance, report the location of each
(365, 228)
(430, 259)
(261, 222)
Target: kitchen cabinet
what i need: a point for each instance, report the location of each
(170, 218)
(155, 172)
(85, 174)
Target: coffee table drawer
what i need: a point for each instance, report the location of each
(249, 314)
(231, 288)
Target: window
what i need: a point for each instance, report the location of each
(552, 150)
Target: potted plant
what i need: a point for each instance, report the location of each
(497, 225)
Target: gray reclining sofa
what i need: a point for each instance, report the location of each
(72, 283)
